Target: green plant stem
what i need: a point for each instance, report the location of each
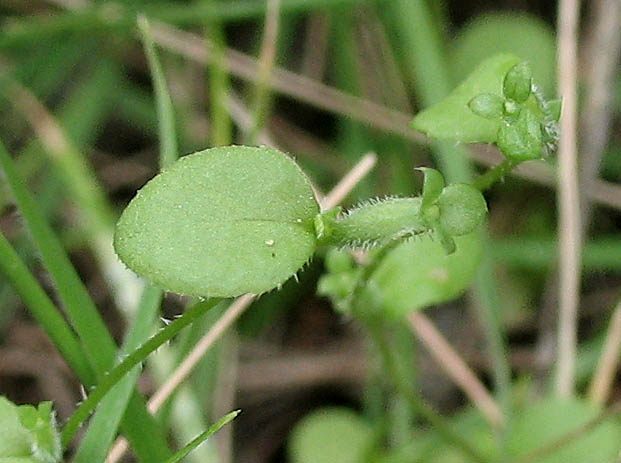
(486, 180)
(137, 356)
(417, 404)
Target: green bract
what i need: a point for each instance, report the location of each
(28, 434)
(221, 223)
(452, 117)
(462, 209)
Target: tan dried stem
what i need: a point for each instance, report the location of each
(601, 384)
(569, 228)
(455, 367)
(238, 307)
(335, 101)
(601, 50)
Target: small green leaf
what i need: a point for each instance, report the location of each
(452, 119)
(522, 140)
(419, 273)
(487, 105)
(29, 434)
(331, 435)
(462, 209)
(518, 82)
(432, 187)
(221, 223)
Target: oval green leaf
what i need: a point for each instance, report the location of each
(221, 223)
(419, 273)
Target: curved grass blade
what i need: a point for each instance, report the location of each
(203, 436)
(98, 344)
(43, 310)
(104, 425)
(137, 356)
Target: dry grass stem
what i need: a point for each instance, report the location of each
(330, 99)
(568, 199)
(601, 385)
(455, 367)
(602, 48)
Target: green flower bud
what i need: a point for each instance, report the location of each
(487, 105)
(522, 141)
(462, 209)
(517, 83)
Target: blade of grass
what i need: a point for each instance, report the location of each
(97, 19)
(104, 424)
(203, 436)
(134, 358)
(425, 60)
(541, 253)
(165, 114)
(99, 346)
(80, 181)
(103, 427)
(43, 310)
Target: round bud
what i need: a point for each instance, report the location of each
(487, 105)
(462, 209)
(518, 82)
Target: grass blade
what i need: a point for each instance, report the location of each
(43, 309)
(133, 359)
(99, 346)
(203, 436)
(165, 114)
(104, 425)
